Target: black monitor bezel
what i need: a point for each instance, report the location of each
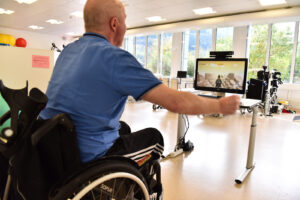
(213, 89)
(181, 74)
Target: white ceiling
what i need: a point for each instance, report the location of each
(137, 10)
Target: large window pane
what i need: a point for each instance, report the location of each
(282, 48)
(297, 66)
(129, 44)
(188, 52)
(205, 43)
(124, 44)
(224, 39)
(152, 53)
(140, 49)
(257, 49)
(166, 42)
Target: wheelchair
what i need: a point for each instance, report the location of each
(39, 159)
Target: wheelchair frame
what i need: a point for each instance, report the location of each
(104, 173)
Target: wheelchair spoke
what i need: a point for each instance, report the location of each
(130, 194)
(113, 188)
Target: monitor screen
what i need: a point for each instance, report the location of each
(228, 75)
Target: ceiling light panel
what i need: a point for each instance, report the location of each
(34, 27)
(54, 21)
(78, 14)
(271, 2)
(155, 19)
(71, 33)
(204, 11)
(7, 12)
(26, 1)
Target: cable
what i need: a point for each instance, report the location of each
(181, 142)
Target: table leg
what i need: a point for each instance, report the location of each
(180, 134)
(250, 164)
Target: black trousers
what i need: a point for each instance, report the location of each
(140, 146)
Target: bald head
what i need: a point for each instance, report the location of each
(101, 15)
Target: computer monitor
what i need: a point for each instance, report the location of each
(181, 74)
(221, 75)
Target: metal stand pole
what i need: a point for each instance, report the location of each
(180, 128)
(250, 165)
(180, 134)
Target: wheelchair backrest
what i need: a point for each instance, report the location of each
(41, 152)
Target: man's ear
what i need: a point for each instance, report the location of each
(113, 24)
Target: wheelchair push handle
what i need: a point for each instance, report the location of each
(23, 110)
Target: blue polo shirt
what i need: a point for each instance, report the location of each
(91, 81)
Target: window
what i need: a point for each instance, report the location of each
(188, 52)
(257, 49)
(166, 51)
(297, 64)
(152, 53)
(282, 48)
(124, 44)
(130, 45)
(140, 49)
(205, 43)
(224, 39)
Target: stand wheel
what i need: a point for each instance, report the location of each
(242, 110)
(154, 107)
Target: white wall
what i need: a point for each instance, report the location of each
(16, 67)
(35, 40)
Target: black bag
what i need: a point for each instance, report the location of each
(39, 167)
(40, 152)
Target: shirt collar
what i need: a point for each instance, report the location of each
(94, 34)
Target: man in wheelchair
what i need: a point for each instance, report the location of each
(91, 82)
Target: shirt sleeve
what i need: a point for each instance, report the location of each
(130, 78)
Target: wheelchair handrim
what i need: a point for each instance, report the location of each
(108, 177)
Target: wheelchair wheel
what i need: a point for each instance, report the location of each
(113, 180)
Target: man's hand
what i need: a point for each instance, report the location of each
(228, 105)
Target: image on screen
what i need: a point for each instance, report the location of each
(224, 76)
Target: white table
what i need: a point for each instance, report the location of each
(251, 104)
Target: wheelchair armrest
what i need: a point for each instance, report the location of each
(62, 119)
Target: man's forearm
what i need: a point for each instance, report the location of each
(195, 105)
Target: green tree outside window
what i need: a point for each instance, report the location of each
(152, 52)
(282, 48)
(297, 64)
(166, 42)
(258, 49)
(224, 39)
